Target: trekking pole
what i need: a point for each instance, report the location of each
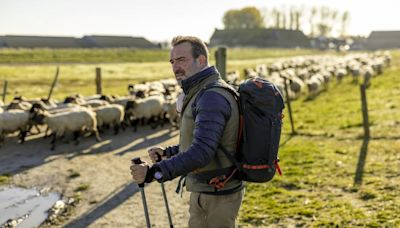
(165, 197)
(141, 186)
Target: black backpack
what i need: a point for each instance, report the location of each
(260, 107)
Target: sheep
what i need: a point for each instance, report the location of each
(156, 88)
(367, 72)
(387, 58)
(76, 99)
(340, 73)
(378, 65)
(74, 121)
(169, 84)
(95, 103)
(314, 84)
(262, 70)
(19, 105)
(112, 114)
(171, 113)
(147, 108)
(12, 121)
(140, 90)
(250, 73)
(233, 77)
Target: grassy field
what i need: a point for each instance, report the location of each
(31, 72)
(118, 55)
(332, 176)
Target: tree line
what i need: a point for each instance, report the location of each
(322, 21)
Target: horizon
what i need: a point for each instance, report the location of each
(138, 18)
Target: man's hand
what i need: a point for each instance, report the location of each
(156, 154)
(138, 172)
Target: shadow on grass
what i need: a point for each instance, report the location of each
(361, 162)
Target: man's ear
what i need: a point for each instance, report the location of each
(202, 60)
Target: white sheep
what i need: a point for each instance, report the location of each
(233, 77)
(12, 121)
(95, 103)
(19, 105)
(74, 121)
(112, 114)
(171, 113)
(149, 108)
(314, 84)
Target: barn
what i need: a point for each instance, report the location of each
(10, 41)
(266, 38)
(383, 40)
(117, 42)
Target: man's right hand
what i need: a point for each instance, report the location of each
(156, 154)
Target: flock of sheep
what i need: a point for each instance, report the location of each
(310, 75)
(151, 103)
(155, 102)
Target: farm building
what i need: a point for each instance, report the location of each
(280, 38)
(72, 42)
(38, 42)
(2, 43)
(383, 40)
(117, 42)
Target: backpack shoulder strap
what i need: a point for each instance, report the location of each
(219, 84)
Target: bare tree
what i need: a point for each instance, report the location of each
(312, 19)
(277, 18)
(298, 15)
(345, 20)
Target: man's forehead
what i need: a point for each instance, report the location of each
(181, 50)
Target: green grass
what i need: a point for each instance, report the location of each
(4, 178)
(82, 188)
(30, 72)
(319, 163)
(73, 174)
(122, 55)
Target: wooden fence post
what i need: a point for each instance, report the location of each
(5, 91)
(98, 81)
(220, 59)
(54, 83)
(289, 107)
(364, 108)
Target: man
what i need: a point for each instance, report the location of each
(209, 121)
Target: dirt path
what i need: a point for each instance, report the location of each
(111, 200)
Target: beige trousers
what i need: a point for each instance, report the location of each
(214, 211)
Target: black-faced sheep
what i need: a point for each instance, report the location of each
(75, 121)
(149, 109)
(12, 121)
(112, 114)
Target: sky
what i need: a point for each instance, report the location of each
(160, 20)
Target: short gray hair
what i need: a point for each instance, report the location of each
(198, 46)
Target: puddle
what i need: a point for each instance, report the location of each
(27, 204)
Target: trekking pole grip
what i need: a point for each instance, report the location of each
(138, 161)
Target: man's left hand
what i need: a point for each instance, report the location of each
(138, 172)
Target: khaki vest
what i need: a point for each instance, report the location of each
(228, 140)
